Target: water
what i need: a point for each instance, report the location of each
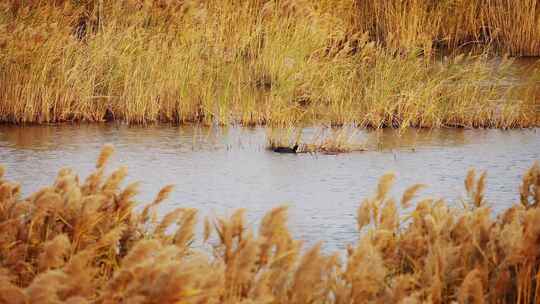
(218, 171)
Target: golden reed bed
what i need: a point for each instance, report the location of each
(370, 63)
(82, 242)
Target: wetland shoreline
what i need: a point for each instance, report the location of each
(268, 63)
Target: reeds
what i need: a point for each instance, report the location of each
(289, 137)
(324, 140)
(428, 26)
(266, 62)
(83, 242)
(334, 141)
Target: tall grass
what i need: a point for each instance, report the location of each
(515, 24)
(507, 26)
(323, 140)
(261, 62)
(81, 241)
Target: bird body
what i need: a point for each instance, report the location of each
(293, 149)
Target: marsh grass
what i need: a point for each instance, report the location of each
(288, 137)
(264, 62)
(429, 26)
(81, 241)
(334, 141)
(325, 140)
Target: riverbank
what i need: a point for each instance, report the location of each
(281, 64)
(83, 242)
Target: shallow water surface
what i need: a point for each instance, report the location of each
(218, 171)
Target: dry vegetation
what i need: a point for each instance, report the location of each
(82, 242)
(334, 141)
(508, 26)
(371, 63)
(284, 138)
(324, 140)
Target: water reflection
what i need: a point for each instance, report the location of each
(390, 139)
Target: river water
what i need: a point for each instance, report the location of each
(220, 170)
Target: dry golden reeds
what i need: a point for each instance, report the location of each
(324, 140)
(425, 25)
(368, 63)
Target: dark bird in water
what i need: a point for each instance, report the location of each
(293, 149)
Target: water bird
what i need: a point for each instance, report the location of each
(293, 149)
